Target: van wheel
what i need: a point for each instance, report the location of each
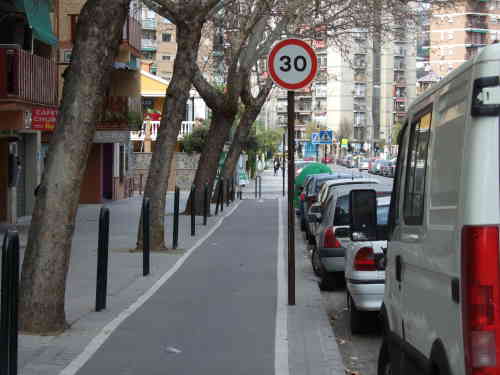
(327, 282)
(315, 262)
(384, 360)
(356, 318)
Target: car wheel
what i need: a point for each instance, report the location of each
(356, 318)
(327, 282)
(384, 360)
(315, 262)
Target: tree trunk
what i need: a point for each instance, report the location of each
(246, 122)
(46, 262)
(206, 172)
(253, 107)
(188, 39)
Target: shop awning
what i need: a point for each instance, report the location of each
(38, 15)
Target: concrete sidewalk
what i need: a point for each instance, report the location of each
(220, 309)
(48, 355)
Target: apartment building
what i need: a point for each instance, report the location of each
(28, 100)
(158, 44)
(457, 33)
(360, 96)
(108, 176)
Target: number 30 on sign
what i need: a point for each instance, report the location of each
(292, 64)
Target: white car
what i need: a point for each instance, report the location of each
(365, 274)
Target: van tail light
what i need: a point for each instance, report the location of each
(302, 196)
(365, 260)
(330, 240)
(481, 299)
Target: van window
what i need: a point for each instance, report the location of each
(416, 170)
(396, 192)
(382, 215)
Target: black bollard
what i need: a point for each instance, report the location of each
(193, 211)
(256, 186)
(145, 236)
(221, 195)
(102, 260)
(175, 240)
(9, 300)
(228, 193)
(205, 204)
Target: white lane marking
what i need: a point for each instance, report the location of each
(281, 334)
(104, 334)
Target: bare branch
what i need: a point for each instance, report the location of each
(210, 95)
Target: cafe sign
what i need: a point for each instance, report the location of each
(43, 119)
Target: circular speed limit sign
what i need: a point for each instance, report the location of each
(292, 64)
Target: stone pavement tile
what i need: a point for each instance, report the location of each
(312, 346)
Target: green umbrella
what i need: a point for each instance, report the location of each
(314, 168)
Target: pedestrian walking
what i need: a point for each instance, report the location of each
(276, 166)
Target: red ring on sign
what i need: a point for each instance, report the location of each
(310, 52)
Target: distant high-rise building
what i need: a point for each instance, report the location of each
(458, 33)
(158, 44)
(361, 96)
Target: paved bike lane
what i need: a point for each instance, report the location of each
(215, 315)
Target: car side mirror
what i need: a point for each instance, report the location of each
(363, 212)
(342, 232)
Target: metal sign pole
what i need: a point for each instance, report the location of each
(283, 162)
(291, 213)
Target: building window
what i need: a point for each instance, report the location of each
(73, 22)
(166, 37)
(416, 170)
(166, 57)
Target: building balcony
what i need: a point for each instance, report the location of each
(151, 130)
(27, 78)
(149, 24)
(281, 109)
(360, 124)
(132, 34)
(476, 7)
(303, 110)
(399, 66)
(359, 107)
(120, 113)
(359, 94)
(148, 45)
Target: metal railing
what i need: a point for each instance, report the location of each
(26, 77)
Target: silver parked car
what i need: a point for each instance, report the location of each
(365, 273)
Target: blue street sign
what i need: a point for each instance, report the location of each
(324, 137)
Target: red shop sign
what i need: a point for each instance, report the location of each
(43, 119)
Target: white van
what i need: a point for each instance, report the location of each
(441, 309)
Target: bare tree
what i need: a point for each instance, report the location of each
(345, 129)
(252, 108)
(45, 266)
(251, 27)
(189, 16)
